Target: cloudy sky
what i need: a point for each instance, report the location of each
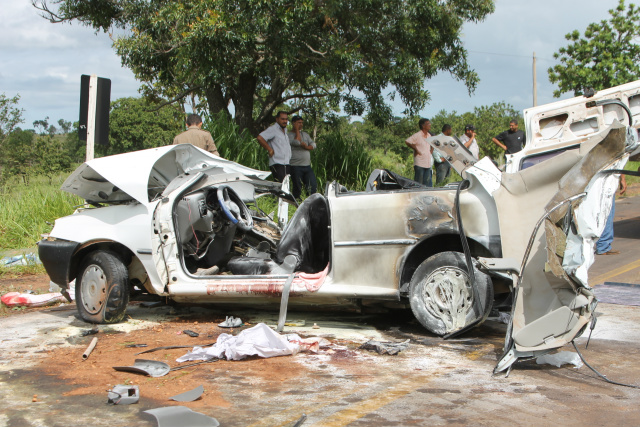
(42, 62)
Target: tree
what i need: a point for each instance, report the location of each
(254, 56)
(17, 154)
(606, 56)
(10, 116)
(136, 124)
(489, 121)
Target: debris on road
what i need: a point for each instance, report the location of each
(153, 368)
(231, 322)
(89, 349)
(257, 341)
(16, 299)
(560, 358)
(312, 344)
(123, 394)
(189, 396)
(179, 416)
(88, 332)
(380, 347)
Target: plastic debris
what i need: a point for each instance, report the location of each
(180, 416)
(189, 396)
(560, 358)
(123, 394)
(391, 348)
(26, 259)
(153, 368)
(312, 344)
(231, 322)
(16, 299)
(257, 341)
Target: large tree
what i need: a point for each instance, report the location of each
(608, 54)
(260, 54)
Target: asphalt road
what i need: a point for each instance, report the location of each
(624, 267)
(432, 383)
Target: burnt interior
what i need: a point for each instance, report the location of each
(220, 232)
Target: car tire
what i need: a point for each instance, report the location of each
(441, 296)
(102, 288)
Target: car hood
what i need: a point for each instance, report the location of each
(143, 175)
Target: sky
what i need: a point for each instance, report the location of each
(42, 62)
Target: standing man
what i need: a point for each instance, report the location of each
(512, 140)
(194, 135)
(301, 147)
(274, 139)
(421, 153)
(443, 168)
(603, 245)
(469, 140)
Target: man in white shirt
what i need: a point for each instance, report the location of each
(275, 140)
(469, 140)
(421, 153)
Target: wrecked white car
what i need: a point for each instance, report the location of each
(186, 225)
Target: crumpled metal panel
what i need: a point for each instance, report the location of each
(552, 307)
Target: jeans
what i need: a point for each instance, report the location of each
(303, 175)
(280, 171)
(443, 170)
(604, 242)
(423, 175)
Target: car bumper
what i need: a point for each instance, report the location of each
(56, 256)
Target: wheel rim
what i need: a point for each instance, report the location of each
(448, 296)
(93, 289)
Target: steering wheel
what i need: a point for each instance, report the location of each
(234, 208)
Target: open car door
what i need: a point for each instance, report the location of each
(550, 217)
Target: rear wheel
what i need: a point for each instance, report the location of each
(442, 297)
(102, 288)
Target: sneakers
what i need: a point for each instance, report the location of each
(610, 252)
(231, 322)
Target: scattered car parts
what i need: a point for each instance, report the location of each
(153, 368)
(189, 396)
(180, 416)
(123, 394)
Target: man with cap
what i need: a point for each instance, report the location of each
(469, 140)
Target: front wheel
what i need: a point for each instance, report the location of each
(442, 297)
(102, 288)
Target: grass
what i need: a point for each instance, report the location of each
(29, 210)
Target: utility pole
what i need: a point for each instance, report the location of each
(535, 89)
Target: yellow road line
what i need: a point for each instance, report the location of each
(613, 273)
(371, 404)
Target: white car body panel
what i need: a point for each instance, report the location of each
(570, 122)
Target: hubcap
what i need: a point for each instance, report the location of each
(448, 296)
(93, 289)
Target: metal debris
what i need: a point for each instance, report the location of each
(380, 347)
(123, 394)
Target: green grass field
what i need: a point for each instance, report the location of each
(29, 210)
